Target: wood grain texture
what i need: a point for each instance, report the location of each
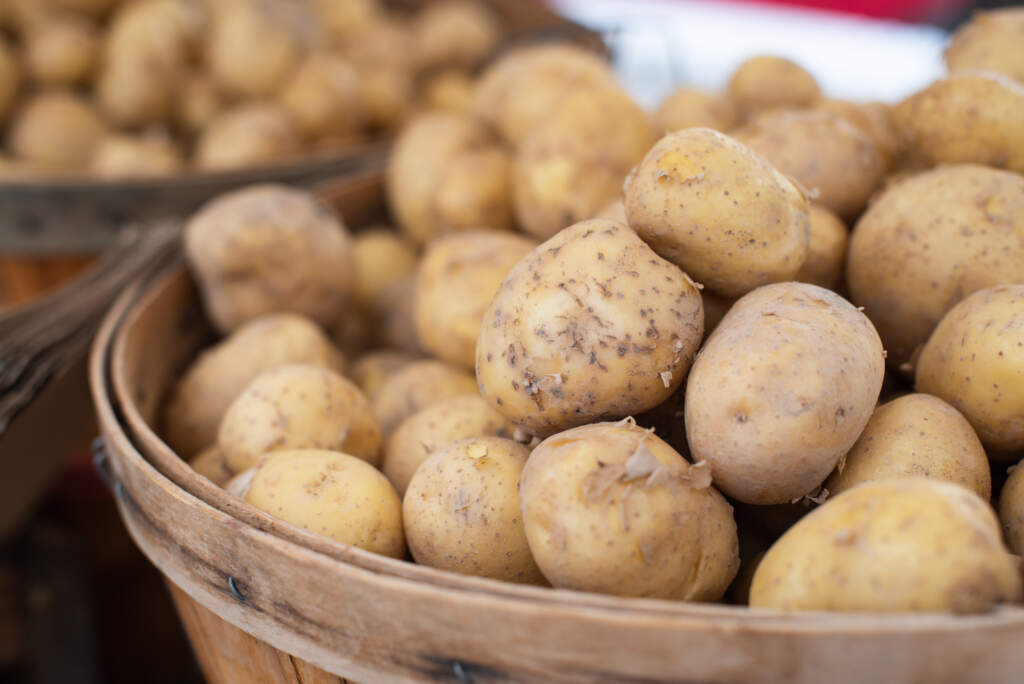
(369, 618)
(22, 279)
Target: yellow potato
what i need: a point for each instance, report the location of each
(247, 135)
(462, 514)
(827, 250)
(449, 90)
(136, 156)
(446, 174)
(394, 317)
(574, 161)
(523, 87)
(766, 82)
(382, 45)
(602, 506)
(975, 361)
(829, 157)
(269, 248)
(202, 396)
(991, 41)
(385, 97)
(62, 52)
(917, 434)
(298, 406)
(323, 97)
(719, 211)
(91, 7)
(781, 390)
(253, 46)
(348, 19)
(903, 544)
(1011, 509)
(930, 240)
(210, 464)
(382, 258)
(371, 370)
(331, 494)
(456, 280)
(10, 78)
(592, 324)
(967, 117)
(691, 107)
(55, 129)
(428, 430)
(130, 96)
(873, 120)
(417, 385)
(197, 103)
(453, 33)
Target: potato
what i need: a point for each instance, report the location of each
(719, 211)
(210, 464)
(1011, 509)
(781, 390)
(522, 88)
(198, 102)
(333, 495)
(449, 90)
(427, 431)
(929, 241)
(244, 247)
(130, 96)
(349, 19)
(565, 343)
(90, 7)
(385, 97)
(381, 258)
(765, 82)
(446, 174)
(416, 386)
(895, 545)
(322, 96)
(691, 107)
(837, 164)
(62, 52)
(395, 318)
(253, 46)
(371, 370)
(298, 406)
(917, 434)
(247, 135)
(969, 117)
(462, 512)
(55, 129)
(990, 41)
(136, 156)
(456, 280)
(873, 120)
(574, 162)
(826, 251)
(459, 33)
(975, 360)
(202, 396)
(382, 45)
(10, 78)
(602, 506)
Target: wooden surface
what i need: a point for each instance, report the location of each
(370, 618)
(22, 279)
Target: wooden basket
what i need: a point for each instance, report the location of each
(265, 601)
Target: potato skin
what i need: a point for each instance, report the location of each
(251, 47)
(767, 82)
(591, 324)
(1011, 510)
(719, 211)
(428, 430)
(453, 33)
(827, 250)
(322, 95)
(781, 390)
(975, 361)
(298, 406)
(371, 370)
(210, 464)
(920, 435)
(967, 117)
(246, 135)
(244, 247)
(382, 258)
(874, 120)
(461, 511)
(62, 52)
(903, 544)
(930, 240)
(603, 506)
(826, 154)
(55, 129)
(990, 41)
(690, 107)
(456, 280)
(136, 156)
(331, 494)
(416, 386)
(202, 396)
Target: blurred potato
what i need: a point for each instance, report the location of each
(56, 129)
(247, 135)
(826, 252)
(458, 33)
(448, 90)
(689, 107)
(136, 156)
(417, 385)
(198, 102)
(873, 119)
(322, 96)
(382, 258)
(10, 78)
(767, 82)
(62, 52)
(990, 41)
(371, 370)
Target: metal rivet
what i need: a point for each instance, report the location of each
(460, 673)
(234, 589)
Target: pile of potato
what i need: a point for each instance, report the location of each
(142, 88)
(685, 378)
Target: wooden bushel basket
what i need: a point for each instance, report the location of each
(265, 601)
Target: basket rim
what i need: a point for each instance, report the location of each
(201, 492)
